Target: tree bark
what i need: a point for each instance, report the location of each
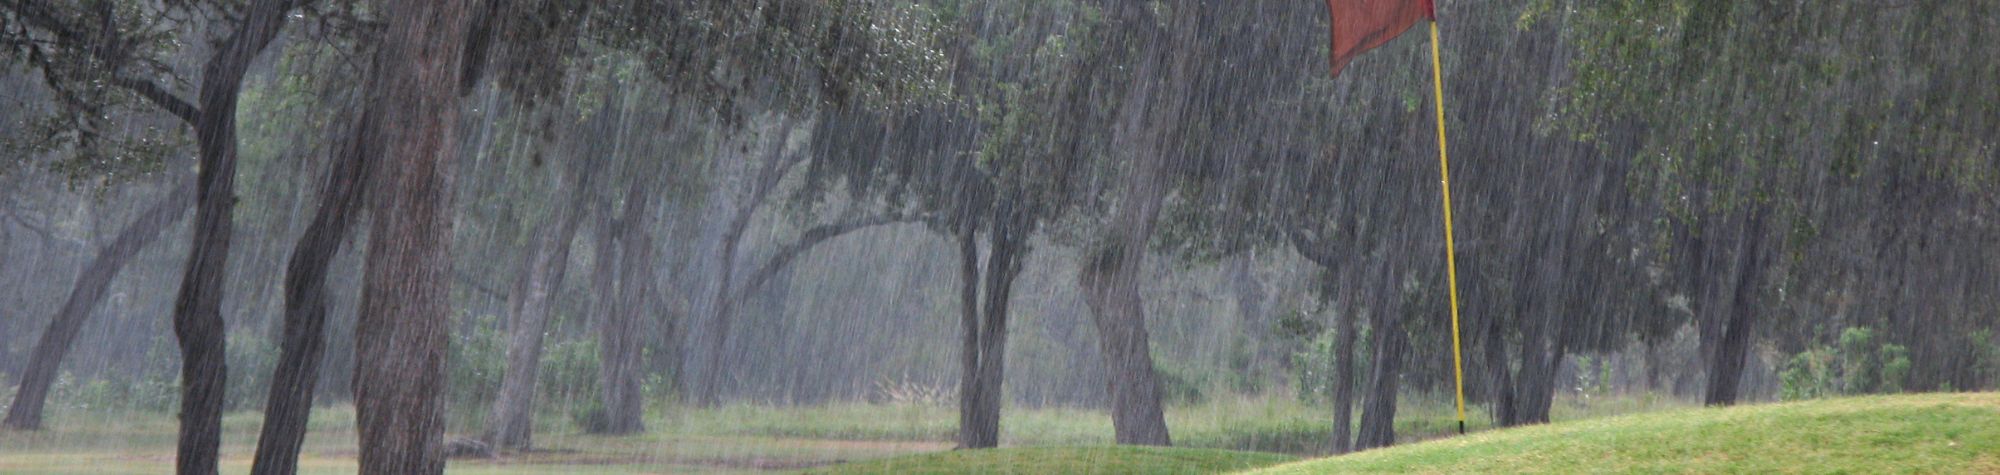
(405, 312)
(1378, 417)
(1343, 370)
(511, 425)
(84, 296)
(984, 347)
(1499, 374)
(289, 406)
(968, 326)
(1110, 281)
(198, 325)
(1726, 370)
(723, 308)
(1110, 274)
(620, 344)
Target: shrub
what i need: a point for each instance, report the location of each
(1858, 365)
(250, 360)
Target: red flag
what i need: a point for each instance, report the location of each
(1362, 25)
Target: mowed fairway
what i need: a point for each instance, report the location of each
(1929, 433)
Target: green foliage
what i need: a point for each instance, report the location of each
(1180, 384)
(250, 360)
(1313, 369)
(1857, 365)
(568, 373)
(476, 361)
(1242, 374)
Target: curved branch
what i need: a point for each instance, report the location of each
(1313, 249)
(67, 36)
(160, 97)
(810, 239)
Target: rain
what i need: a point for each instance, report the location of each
(999, 236)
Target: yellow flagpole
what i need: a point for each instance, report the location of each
(1450, 251)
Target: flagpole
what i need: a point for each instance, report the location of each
(1450, 251)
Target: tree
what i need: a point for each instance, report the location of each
(511, 424)
(94, 44)
(90, 287)
(405, 302)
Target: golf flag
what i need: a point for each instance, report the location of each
(1362, 25)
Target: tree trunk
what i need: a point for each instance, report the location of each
(289, 406)
(1378, 417)
(198, 325)
(1343, 371)
(26, 411)
(968, 325)
(980, 401)
(1726, 369)
(1110, 274)
(1536, 389)
(511, 425)
(725, 303)
(1498, 371)
(620, 344)
(404, 322)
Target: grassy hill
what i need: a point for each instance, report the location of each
(1930, 433)
(1072, 460)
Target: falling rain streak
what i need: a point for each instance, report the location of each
(768, 235)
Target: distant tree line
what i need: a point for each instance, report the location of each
(635, 189)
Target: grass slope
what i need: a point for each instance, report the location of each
(1072, 460)
(1931, 433)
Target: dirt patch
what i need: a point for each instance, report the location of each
(579, 458)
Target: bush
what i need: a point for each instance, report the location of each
(476, 362)
(1313, 369)
(1858, 365)
(250, 360)
(1179, 385)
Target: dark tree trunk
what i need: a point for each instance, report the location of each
(1343, 370)
(198, 325)
(1537, 387)
(1494, 341)
(726, 301)
(404, 322)
(1111, 268)
(985, 341)
(620, 344)
(292, 382)
(1378, 416)
(968, 326)
(1726, 368)
(29, 398)
(511, 424)
(1110, 281)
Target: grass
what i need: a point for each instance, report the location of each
(762, 438)
(1075, 460)
(1930, 433)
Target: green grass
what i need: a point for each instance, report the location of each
(1073, 460)
(1931, 433)
(745, 438)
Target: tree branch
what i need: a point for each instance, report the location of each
(67, 37)
(161, 98)
(1312, 249)
(811, 238)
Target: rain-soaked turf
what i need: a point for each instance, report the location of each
(1928, 433)
(1073, 460)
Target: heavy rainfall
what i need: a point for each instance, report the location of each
(999, 236)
